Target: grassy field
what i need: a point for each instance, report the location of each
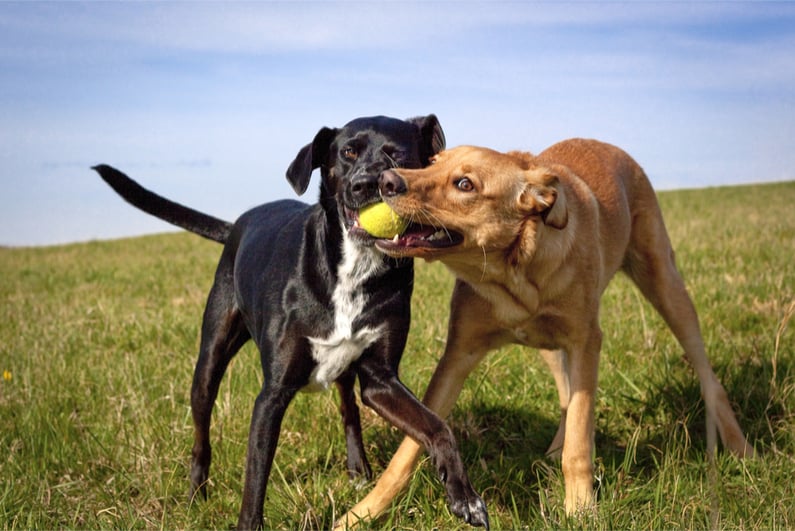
(98, 342)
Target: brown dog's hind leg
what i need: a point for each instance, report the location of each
(650, 264)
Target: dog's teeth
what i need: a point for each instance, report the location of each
(438, 235)
(395, 238)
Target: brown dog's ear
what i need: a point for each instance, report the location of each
(433, 140)
(311, 156)
(543, 195)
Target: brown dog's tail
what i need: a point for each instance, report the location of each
(191, 220)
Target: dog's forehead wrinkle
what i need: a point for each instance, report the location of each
(365, 137)
(377, 145)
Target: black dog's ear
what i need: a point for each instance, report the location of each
(433, 140)
(311, 156)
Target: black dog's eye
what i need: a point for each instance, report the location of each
(465, 184)
(396, 156)
(349, 153)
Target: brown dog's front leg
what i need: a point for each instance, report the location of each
(390, 399)
(470, 336)
(392, 481)
(578, 444)
(440, 397)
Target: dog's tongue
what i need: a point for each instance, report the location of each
(418, 232)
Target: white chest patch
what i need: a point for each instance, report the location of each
(344, 345)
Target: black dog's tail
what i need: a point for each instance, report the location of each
(191, 220)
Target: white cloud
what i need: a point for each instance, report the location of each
(698, 92)
(252, 27)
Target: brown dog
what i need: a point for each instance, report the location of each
(534, 242)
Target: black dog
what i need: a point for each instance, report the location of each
(320, 301)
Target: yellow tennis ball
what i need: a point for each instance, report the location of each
(381, 221)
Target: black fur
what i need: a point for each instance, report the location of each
(287, 279)
(197, 222)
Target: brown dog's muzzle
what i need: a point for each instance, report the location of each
(422, 237)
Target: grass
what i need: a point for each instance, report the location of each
(98, 342)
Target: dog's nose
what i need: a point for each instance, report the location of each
(364, 186)
(390, 184)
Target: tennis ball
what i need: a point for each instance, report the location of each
(381, 221)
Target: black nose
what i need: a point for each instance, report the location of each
(364, 186)
(390, 184)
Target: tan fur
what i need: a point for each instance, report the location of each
(543, 236)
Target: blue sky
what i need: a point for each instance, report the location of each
(207, 103)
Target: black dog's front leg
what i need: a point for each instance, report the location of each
(395, 403)
(357, 460)
(266, 422)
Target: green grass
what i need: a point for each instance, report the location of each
(98, 342)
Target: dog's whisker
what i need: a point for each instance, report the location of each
(394, 163)
(485, 262)
(435, 222)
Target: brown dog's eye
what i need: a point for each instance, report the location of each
(465, 184)
(349, 153)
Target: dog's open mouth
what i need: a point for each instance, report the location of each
(416, 237)
(355, 231)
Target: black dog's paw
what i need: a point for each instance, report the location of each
(479, 516)
(359, 469)
(471, 509)
(198, 484)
